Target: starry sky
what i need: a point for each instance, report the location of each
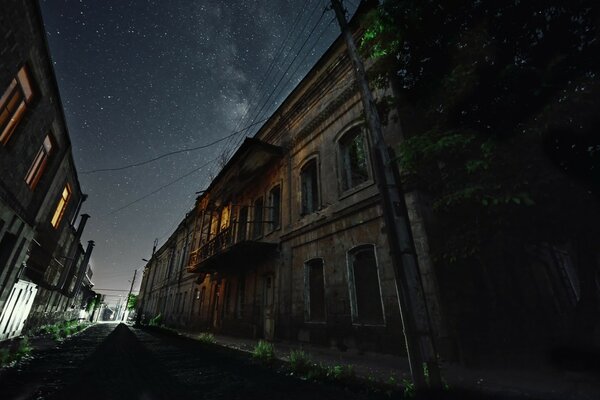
(140, 78)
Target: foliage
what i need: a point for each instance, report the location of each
(9, 355)
(299, 362)
(93, 303)
(207, 338)
(156, 321)
(409, 389)
(62, 330)
(132, 301)
(495, 89)
(264, 352)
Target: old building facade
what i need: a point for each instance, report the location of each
(40, 195)
(288, 241)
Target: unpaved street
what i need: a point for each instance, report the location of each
(118, 362)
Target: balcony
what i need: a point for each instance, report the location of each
(233, 247)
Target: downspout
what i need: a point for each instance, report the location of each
(82, 270)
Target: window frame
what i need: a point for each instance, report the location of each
(65, 202)
(352, 284)
(307, 317)
(37, 168)
(258, 233)
(271, 209)
(317, 203)
(356, 128)
(20, 85)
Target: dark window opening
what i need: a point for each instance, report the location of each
(315, 290)
(309, 187)
(367, 295)
(353, 159)
(275, 206)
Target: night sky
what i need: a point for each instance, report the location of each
(142, 78)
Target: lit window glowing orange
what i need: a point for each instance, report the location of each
(13, 104)
(62, 205)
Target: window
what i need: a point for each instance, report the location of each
(242, 224)
(258, 218)
(365, 296)
(13, 104)
(39, 163)
(309, 187)
(275, 206)
(314, 290)
(65, 196)
(353, 159)
(196, 294)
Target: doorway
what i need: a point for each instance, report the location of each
(268, 308)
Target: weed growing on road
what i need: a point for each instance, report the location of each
(299, 362)
(264, 352)
(207, 338)
(62, 330)
(409, 389)
(15, 353)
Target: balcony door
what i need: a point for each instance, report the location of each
(242, 224)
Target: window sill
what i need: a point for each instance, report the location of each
(360, 324)
(316, 322)
(349, 192)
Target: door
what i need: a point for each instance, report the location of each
(268, 312)
(17, 309)
(216, 316)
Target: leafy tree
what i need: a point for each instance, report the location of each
(503, 100)
(132, 301)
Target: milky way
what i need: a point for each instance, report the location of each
(141, 78)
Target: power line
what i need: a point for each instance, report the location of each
(303, 59)
(287, 69)
(160, 188)
(272, 64)
(203, 146)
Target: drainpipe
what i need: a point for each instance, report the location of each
(71, 255)
(82, 270)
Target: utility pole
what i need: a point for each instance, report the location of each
(418, 334)
(129, 295)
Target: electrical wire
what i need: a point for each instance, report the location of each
(260, 100)
(160, 188)
(203, 146)
(286, 71)
(271, 65)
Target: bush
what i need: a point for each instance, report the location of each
(300, 362)
(5, 357)
(156, 321)
(9, 355)
(24, 348)
(264, 352)
(207, 338)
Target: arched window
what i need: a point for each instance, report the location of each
(365, 294)
(309, 187)
(353, 158)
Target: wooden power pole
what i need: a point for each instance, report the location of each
(129, 295)
(418, 334)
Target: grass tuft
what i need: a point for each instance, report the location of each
(207, 338)
(264, 352)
